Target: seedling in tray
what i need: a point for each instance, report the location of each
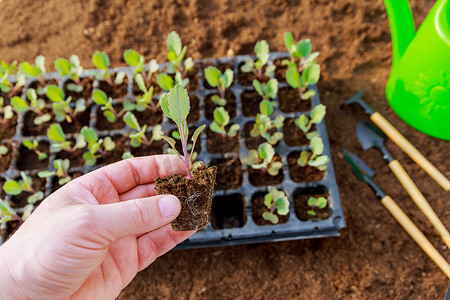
(6, 113)
(262, 53)
(62, 166)
(33, 146)
(137, 61)
(106, 105)
(221, 120)
(137, 137)
(264, 124)
(6, 70)
(277, 203)
(267, 91)
(305, 123)
(7, 213)
(56, 135)
(101, 62)
(166, 83)
(195, 192)
(316, 203)
(223, 81)
(176, 55)
(144, 101)
(34, 71)
(263, 159)
(36, 105)
(73, 69)
(315, 157)
(61, 105)
(96, 147)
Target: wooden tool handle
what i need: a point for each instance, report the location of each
(409, 149)
(416, 234)
(419, 199)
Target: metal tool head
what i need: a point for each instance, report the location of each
(357, 98)
(369, 135)
(361, 169)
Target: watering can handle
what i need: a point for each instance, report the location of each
(409, 149)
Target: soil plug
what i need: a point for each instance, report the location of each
(196, 191)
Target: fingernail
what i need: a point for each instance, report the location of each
(169, 206)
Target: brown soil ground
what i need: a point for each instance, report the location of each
(374, 258)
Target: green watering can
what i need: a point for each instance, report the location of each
(418, 89)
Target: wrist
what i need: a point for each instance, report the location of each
(11, 288)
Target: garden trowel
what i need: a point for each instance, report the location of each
(365, 173)
(400, 140)
(371, 136)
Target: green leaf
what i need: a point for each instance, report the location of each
(12, 187)
(64, 180)
(42, 119)
(153, 66)
(63, 66)
(262, 52)
(316, 145)
(127, 155)
(109, 115)
(270, 217)
(303, 159)
(169, 140)
(55, 94)
(42, 156)
(275, 168)
(197, 133)
(40, 63)
(293, 78)
(248, 66)
(266, 107)
(303, 48)
(35, 197)
(100, 60)
(109, 144)
(308, 94)
(215, 127)
(282, 204)
(89, 158)
(73, 87)
(174, 43)
(272, 88)
(221, 116)
(258, 87)
(56, 133)
(252, 158)
(120, 76)
(319, 162)
(311, 74)
(266, 152)
(89, 134)
(140, 82)
(229, 75)
(8, 112)
(31, 94)
(188, 63)
(45, 174)
(318, 113)
(3, 150)
(133, 58)
(176, 105)
(212, 75)
(19, 104)
(268, 198)
(29, 70)
(289, 42)
(233, 130)
(176, 135)
(219, 101)
(302, 123)
(311, 212)
(80, 105)
(164, 81)
(131, 120)
(322, 202)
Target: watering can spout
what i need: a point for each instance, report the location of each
(402, 27)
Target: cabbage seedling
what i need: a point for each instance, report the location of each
(262, 53)
(144, 101)
(62, 166)
(7, 70)
(176, 55)
(36, 105)
(305, 123)
(264, 123)
(73, 69)
(137, 61)
(278, 204)
(106, 106)
(221, 120)
(166, 83)
(96, 147)
(6, 113)
(300, 52)
(263, 159)
(267, 91)
(314, 203)
(138, 137)
(56, 135)
(309, 76)
(25, 184)
(223, 81)
(315, 157)
(61, 104)
(34, 71)
(176, 106)
(101, 62)
(33, 146)
(7, 213)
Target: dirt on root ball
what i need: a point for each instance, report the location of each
(221, 67)
(288, 101)
(301, 207)
(115, 91)
(30, 129)
(86, 93)
(8, 129)
(194, 194)
(258, 208)
(116, 154)
(303, 174)
(20, 200)
(5, 160)
(37, 86)
(230, 107)
(260, 177)
(229, 173)
(250, 103)
(246, 79)
(103, 123)
(218, 143)
(293, 135)
(254, 142)
(28, 159)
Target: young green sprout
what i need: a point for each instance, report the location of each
(277, 203)
(176, 55)
(7, 213)
(36, 105)
(34, 71)
(138, 137)
(263, 159)
(33, 146)
(305, 123)
(176, 106)
(316, 203)
(56, 135)
(3, 150)
(262, 53)
(106, 104)
(223, 81)
(166, 83)
(101, 62)
(267, 91)
(61, 104)
(264, 123)
(144, 101)
(96, 147)
(221, 120)
(137, 61)
(307, 71)
(7, 70)
(315, 158)
(73, 69)
(6, 113)
(61, 166)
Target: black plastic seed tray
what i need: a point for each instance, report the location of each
(232, 220)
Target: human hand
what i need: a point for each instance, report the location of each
(90, 238)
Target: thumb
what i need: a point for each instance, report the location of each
(137, 216)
